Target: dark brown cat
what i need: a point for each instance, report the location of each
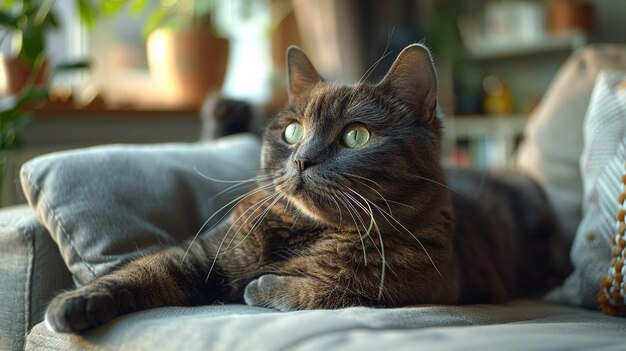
(351, 208)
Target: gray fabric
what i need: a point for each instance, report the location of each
(522, 325)
(103, 205)
(602, 165)
(31, 271)
(553, 138)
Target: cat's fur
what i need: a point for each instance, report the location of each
(330, 226)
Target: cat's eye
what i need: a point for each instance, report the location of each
(293, 133)
(356, 136)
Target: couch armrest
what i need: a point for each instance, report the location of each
(31, 272)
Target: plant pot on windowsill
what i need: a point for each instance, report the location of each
(188, 64)
(18, 72)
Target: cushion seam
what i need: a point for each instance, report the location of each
(27, 238)
(67, 237)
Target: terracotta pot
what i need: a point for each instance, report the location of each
(567, 16)
(17, 73)
(188, 64)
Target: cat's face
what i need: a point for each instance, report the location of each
(337, 152)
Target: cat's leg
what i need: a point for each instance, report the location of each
(158, 279)
(321, 278)
(336, 274)
(289, 293)
(155, 280)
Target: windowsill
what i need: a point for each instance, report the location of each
(70, 111)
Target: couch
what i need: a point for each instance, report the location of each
(63, 238)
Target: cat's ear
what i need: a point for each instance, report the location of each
(412, 78)
(301, 74)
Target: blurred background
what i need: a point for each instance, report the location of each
(80, 72)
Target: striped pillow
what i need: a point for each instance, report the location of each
(612, 294)
(602, 168)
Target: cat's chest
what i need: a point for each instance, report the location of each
(284, 240)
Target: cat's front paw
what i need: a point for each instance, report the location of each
(81, 309)
(273, 291)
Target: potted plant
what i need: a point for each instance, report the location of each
(25, 24)
(185, 55)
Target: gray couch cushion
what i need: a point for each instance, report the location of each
(103, 205)
(522, 325)
(32, 271)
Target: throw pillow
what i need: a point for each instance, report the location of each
(602, 166)
(104, 205)
(552, 143)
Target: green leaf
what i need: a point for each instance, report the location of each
(154, 21)
(138, 6)
(11, 122)
(9, 140)
(112, 7)
(36, 94)
(8, 20)
(16, 124)
(51, 21)
(41, 12)
(10, 113)
(86, 13)
(32, 44)
(8, 3)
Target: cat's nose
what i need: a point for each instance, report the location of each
(303, 164)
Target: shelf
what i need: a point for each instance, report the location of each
(480, 48)
(491, 139)
(477, 126)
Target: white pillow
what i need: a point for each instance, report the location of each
(553, 140)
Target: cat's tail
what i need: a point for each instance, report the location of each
(222, 116)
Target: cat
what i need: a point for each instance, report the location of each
(352, 208)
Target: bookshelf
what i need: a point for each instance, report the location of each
(482, 141)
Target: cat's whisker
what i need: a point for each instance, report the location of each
(219, 248)
(240, 198)
(296, 218)
(380, 186)
(224, 181)
(365, 178)
(369, 229)
(374, 190)
(255, 207)
(380, 238)
(355, 225)
(385, 54)
(235, 201)
(367, 235)
(259, 219)
(338, 208)
(384, 265)
(388, 215)
(402, 204)
(436, 182)
(373, 224)
(250, 182)
(356, 212)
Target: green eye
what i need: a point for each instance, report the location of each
(293, 133)
(356, 136)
